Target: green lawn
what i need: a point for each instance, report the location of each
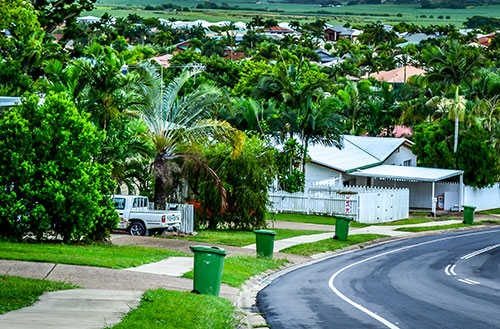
(312, 248)
(311, 219)
(238, 238)
(490, 212)
(178, 310)
(442, 227)
(102, 255)
(387, 13)
(16, 292)
(239, 269)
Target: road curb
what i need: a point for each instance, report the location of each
(247, 297)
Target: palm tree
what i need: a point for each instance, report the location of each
(177, 122)
(352, 98)
(304, 112)
(249, 114)
(319, 123)
(450, 66)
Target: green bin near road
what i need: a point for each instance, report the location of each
(469, 214)
(265, 242)
(342, 227)
(208, 265)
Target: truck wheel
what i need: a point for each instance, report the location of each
(137, 228)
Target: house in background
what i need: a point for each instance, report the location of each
(335, 32)
(384, 162)
(398, 75)
(358, 152)
(7, 101)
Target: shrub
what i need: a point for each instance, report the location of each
(246, 180)
(49, 178)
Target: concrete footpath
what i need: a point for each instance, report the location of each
(108, 294)
(76, 308)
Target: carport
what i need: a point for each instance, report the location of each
(415, 174)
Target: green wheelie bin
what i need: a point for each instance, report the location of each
(469, 214)
(208, 265)
(341, 227)
(265, 242)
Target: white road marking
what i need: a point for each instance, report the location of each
(452, 270)
(478, 252)
(472, 281)
(468, 281)
(367, 311)
(446, 270)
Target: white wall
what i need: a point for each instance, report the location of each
(316, 173)
(482, 199)
(400, 156)
(383, 206)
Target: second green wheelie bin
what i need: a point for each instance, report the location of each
(208, 266)
(265, 242)
(342, 227)
(469, 214)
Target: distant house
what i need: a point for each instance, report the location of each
(335, 32)
(234, 55)
(485, 40)
(325, 56)
(6, 101)
(278, 30)
(88, 19)
(398, 75)
(415, 38)
(163, 60)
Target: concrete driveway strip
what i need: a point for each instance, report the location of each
(76, 309)
(172, 266)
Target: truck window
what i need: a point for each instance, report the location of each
(136, 203)
(119, 203)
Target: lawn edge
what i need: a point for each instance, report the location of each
(246, 301)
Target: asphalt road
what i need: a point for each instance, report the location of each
(440, 281)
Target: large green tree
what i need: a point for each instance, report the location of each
(476, 156)
(50, 182)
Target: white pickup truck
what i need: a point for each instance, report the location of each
(139, 220)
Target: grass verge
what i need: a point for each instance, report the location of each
(490, 212)
(311, 219)
(442, 227)
(238, 269)
(17, 292)
(101, 255)
(408, 221)
(308, 249)
(161, 308)
(238, 238)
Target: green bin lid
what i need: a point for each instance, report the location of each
(470, 207)
(269, 232)
(215, 250)
(343, 217)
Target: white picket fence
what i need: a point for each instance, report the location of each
(364, 204)
(308, 203)
(187, 219)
